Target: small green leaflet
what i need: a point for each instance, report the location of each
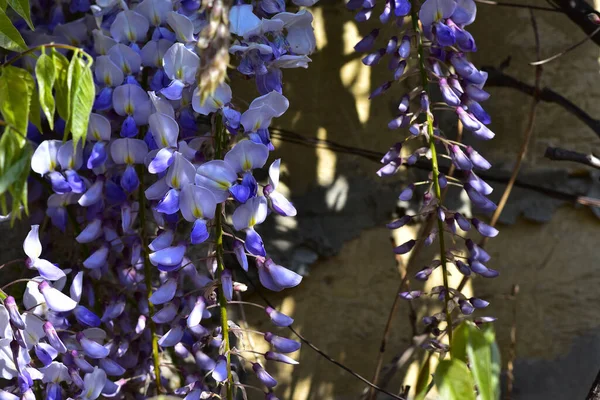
(35, 110)
(82, 95)
(484, 362)
(46, 76)
(454, 380)
(22, 8)
(10, 38)
(423, 379)
(15, 171)
(16, 89)
(62, 84)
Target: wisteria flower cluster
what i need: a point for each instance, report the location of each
(437, 36)
(162, 198)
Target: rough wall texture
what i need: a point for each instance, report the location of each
(548, 246)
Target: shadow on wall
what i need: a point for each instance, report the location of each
(343, 302)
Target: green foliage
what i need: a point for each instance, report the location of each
(477, 348)
(45, 73)
(423, 379)
(62, 84)
(22, 8)
(454, 380)
(10, 38)
(20, 103)
(484, 357)
(16, 88)
(81, 99)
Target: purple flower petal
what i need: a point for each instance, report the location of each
(278, 318)
(169, 256)
(271, 355)
(263, 376)
(55, 299)
(219, 372)
(405, 247)
(111, 367)
(282, 276)
(254, 243)
(240, 254)
(91, 348)
(165, 292)
(169, 204)
(484, 229)
(195, 316)
(86, 317)
(166, 314)
(172, 337)
(281, 344)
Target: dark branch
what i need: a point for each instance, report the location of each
(498, 177)
(498, 78)
(594, 393)
(578, 11)
(558, 154)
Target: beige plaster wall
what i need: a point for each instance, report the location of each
(343, 304)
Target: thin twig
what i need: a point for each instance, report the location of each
(567, 50)
(295, 138)
(558, 154)
(498, 78)
(319, 351)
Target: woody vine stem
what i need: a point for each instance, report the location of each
(434, 164)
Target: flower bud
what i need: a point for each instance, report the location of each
(281, 344)
(227, 284)
(53, 338)
(270, 355)
(13, 312)
(405, 247)
(407, 193)
(399, 222)
(278, 318)
(263, 376)
(366, 43)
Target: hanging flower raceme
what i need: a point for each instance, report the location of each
(161, 189)
(439, 41)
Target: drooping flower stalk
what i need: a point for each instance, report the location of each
(434, 163)
(148, 281)
(220, 139)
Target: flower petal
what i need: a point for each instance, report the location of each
(165, 292)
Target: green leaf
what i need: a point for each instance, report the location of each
(454, 380)
(458, 347)
(82, 98)
(22, 8)
(61, 84)
(35, 110)
(13, 173)
(3, 5)
(10, 38)
(423, 379)
(46, 76)
(486, 370)
(16, 89)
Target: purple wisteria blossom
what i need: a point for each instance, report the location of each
(160, 200)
